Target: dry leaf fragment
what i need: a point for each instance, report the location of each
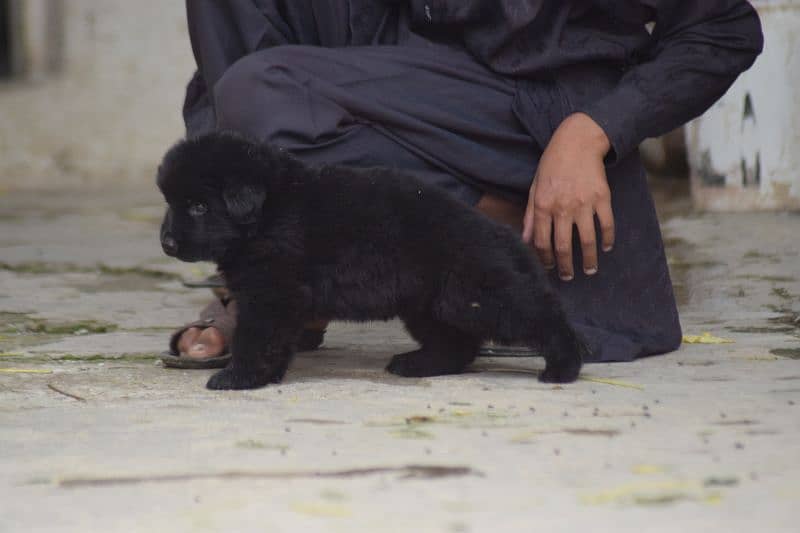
(705, 338)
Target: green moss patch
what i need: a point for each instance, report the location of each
(35, 325)
(41, 267)
(791, 353)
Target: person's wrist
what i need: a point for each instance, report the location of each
(580, 130)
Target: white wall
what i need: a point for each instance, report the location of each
(728, 144)
(114, 108)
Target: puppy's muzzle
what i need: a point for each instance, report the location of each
(169, 244)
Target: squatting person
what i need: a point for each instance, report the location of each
(529, 110)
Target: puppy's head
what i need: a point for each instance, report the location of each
(215, 187)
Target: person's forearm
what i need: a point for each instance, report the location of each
(701, 48)
(581, 129)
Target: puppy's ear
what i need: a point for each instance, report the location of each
(244, 201)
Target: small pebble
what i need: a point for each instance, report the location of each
(723, 415)
(484, 434)
(490, 406)
(429, 406)
(633, 424)
(333, 452)
(287, 429)
(647, 415)
(532, 409)
(594, 391)
(566, 413)
(791, 402)
(645, 408)
(427, 451)
(738, 446)
(656, 401)
(280, 391)
(557, 451)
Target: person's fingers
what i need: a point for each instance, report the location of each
(527, 221)
(606, 219)
(543, 239)
(586, 231)
(563, 242)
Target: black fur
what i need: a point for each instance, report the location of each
(298, 243)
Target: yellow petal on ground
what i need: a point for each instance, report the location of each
(762, 358)
(653, 493)
(25, 371)
(645, 469)
(321, 509)
(614, 382)
(705, 338)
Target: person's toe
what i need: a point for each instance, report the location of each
(209, 343)
(187, 339)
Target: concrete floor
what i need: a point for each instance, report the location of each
(97, 437)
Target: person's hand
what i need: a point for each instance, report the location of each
(570, 188)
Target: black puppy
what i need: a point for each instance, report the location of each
(298, 243)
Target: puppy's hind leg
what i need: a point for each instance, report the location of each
(537, 319)
(444, 349)
(563, 352)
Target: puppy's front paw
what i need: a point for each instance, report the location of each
(238, 379)
(409, 365)
(563, 371)
(421, 364)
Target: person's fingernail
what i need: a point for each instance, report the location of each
(565, 277)
(607, 248)
(590, 271)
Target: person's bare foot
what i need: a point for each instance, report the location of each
(205, 343)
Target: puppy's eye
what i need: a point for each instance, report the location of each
(198, 209)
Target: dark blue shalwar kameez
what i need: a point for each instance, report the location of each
(465, 94)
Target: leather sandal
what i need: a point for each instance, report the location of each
(221, 314)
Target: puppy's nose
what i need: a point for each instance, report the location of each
(169, 245)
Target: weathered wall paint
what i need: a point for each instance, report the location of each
(745, 152)
(113, 108)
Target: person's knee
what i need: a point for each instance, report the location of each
(248, 89)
